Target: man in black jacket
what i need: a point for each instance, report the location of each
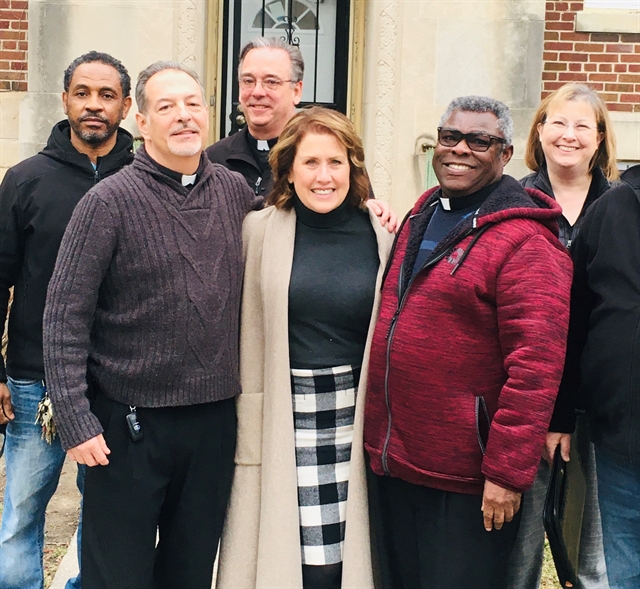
(270, 88)
(270, 80)
(602, 371)
(37, 198)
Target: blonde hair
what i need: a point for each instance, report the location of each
(317, 120)
(604, 157)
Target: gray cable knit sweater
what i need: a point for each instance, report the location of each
(145, 295)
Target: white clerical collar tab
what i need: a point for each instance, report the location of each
(446, 203)
(186, 180)
(262, 145)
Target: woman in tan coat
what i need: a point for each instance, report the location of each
(298, 515)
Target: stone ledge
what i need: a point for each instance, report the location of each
(608, 20)
(627, 128)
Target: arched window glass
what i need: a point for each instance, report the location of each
(276, 17)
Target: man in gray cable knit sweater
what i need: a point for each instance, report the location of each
(141, 346)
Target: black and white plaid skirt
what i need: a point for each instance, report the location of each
(324, 402)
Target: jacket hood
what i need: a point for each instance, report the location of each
(60, 148)
(632, 177)
(509, 200)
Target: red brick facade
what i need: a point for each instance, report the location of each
(13, 44)
(608, 62)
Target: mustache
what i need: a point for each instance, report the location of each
(94, 117)
(184, 127)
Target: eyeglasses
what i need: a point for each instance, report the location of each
(475, 141)
(247, 83)
(562, 127)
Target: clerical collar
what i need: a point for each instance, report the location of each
(261, 144)
(184, 179)
(470, 200)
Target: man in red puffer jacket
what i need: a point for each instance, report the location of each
(465, 362)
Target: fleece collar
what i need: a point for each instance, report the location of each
(508, 201)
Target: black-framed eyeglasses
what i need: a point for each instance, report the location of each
(248, 83)
(475, 141)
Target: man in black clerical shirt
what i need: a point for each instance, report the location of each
(270, 79)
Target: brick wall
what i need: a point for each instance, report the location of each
(608, 62)
(13, 44)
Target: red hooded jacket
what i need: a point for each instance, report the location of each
(467, 356)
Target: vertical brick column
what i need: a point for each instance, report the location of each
(13, 44)
(608, 62)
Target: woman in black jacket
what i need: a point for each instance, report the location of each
(571, 150)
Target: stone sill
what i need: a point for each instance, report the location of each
(608, 20)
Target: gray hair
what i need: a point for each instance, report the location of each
(159, 66)
(295, 55)
(483, 104)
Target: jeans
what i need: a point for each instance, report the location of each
(33, 472)
(618, 492)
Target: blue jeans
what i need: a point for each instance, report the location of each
(33, 472)
(618, 492)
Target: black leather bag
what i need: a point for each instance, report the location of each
(563, 512)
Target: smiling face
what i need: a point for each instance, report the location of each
(268, 111)
(569, 137)
(320, 172)
(176, 123)
(461, 171)
(94, 104)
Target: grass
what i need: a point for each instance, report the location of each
(51, 558)
(549, 577)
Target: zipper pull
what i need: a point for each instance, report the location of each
(257, 186)
(393, 322)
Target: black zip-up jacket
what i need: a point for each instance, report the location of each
(234, 153)
(540, 180)
(602, 370)
(37, 197)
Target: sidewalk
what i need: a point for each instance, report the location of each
(68, 566)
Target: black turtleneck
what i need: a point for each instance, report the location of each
(449, 212)
(335, 263)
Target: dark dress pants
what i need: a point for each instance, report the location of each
(175, 481)
(425, 538)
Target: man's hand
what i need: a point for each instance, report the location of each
(499, 505)
(386, 216)
(551, 443)
(92, 452)
(6, 408)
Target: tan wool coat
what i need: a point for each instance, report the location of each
(261, 542)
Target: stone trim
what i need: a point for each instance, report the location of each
(608, 20)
